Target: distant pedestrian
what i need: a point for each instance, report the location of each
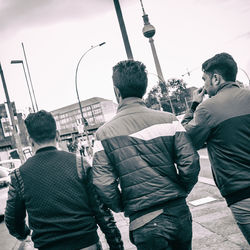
(81, 148)
(223, 122)
(53, 187)
(147, 154)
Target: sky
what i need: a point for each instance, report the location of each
(57, 33)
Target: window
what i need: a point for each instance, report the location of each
(96, 106)
(97, 111)
(99, 119)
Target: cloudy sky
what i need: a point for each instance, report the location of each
(57, 33)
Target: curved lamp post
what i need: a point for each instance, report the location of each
(20, 61)
(246, 75)
(84, 121)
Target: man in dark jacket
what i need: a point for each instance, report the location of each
(149, 154)
(52, 186)
(223, 122)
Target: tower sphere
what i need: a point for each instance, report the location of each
(148, 30)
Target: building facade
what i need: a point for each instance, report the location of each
(96, 111)
(7, 141)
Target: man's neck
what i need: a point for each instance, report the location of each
(37, 146)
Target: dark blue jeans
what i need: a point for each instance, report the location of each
(171, 230)
(241, 213)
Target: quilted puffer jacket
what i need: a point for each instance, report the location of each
(145, 153)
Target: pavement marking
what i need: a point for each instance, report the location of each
(202, 201)
(206, 180)
(204, 157)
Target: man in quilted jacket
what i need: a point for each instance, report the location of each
(145, 165)
(53, 188)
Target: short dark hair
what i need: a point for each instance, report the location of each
(130, 77)
(222, 64)
(41, 126)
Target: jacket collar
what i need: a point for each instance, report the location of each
(130, 102)
(226, 85)
(45, 149)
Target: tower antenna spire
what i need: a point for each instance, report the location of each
(144, 13)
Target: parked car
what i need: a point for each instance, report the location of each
(6, 167)
(10, 164)
(4, 177)
(4, 183)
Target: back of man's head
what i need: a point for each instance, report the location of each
(222, 64)
(41, 126)
(130, 78)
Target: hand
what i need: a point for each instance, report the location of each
(198, 95)
(26, 244)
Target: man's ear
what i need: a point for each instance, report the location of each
(117, 94)
(57, 136)
(218, 79)
(31, 141)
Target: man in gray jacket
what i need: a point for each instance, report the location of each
(223, 122)
(145, 165)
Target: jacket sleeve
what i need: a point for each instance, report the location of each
(15, 212)
(186, 158)
(105, 179)
(104, 216)
(197, 125)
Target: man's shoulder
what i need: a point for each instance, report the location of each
(106, 125)
(209, 104)
(61, 154)
(133, 122)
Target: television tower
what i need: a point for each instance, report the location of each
(149, 31)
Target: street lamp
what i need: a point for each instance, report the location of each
(20, 61)
(84, 121)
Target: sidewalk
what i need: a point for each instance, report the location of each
(213, 225)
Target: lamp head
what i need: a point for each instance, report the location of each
(102, 43)
(16, 61)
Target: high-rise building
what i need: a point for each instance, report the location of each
(96, 111)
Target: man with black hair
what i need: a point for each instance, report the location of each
(223, 122)
(149, 154)
(53, 187)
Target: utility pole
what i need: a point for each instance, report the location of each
(123, 29)
(31, 84)
(13, 122)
